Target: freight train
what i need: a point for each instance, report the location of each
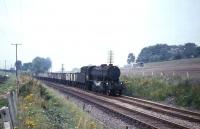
(102, 79)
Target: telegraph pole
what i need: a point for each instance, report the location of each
(16, 44)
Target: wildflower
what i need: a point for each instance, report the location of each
(92, 125)
(29, 98)
(30, 123)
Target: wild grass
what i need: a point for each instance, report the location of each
(5, 88)
(42, 108)
(8, 85)
(183, 92)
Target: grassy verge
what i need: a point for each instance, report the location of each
(181, 92)
(42, 108)
(6, 87)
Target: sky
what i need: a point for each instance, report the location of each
(81, 32)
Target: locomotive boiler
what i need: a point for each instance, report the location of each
(105, 73)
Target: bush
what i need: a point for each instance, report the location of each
(44, 93)
(25, 89)
(188, 94)
(185, 92)
(147, 87)
(3, 102)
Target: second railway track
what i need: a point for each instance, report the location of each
(144, 113)
(161, 108)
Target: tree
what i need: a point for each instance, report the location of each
(131, 58)
(190, 50)
(27, 66)
(41, 65)
(198, 51)
(18, 64)
(164, 52)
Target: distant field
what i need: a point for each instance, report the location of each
(186, 68)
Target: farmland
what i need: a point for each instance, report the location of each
(185, 68)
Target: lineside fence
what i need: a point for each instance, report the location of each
(195, 74)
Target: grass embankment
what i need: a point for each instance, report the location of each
(6, 87)
(181, 92)
(42, 108)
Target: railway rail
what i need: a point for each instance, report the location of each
(161, 108)
(144, 113)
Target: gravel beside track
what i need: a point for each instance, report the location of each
(110, 120)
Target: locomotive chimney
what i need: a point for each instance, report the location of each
(110, 64)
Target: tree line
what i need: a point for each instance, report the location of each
(164, 52)
(38, 65)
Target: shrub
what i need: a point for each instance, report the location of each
(186, 92)
(25, 89)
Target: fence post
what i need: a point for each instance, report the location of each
(133, 73)
(187, 75)
(143, 73)
(12, 101)
(152, 73)
(173, 73)
(84, 106)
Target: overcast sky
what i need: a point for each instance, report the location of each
(81, 32)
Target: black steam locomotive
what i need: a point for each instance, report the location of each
(103, 79)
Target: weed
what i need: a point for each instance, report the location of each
(185, 92)
(41, 108)
(3, 102)
(6, 87)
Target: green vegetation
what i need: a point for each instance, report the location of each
(183, 92)
(41, 107)
(131, 58)
(3, 102)
(38, 65)
(164, 52)
(18, 64)
(6, 87)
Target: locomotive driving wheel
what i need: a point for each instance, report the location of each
(108, 92)
(119, 92)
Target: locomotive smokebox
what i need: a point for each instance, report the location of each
(105, 73)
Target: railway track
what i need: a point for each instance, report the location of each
(161, 108)
(146, 115)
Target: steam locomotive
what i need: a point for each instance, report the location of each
(103, 79)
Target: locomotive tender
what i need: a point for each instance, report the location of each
(103, 79)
